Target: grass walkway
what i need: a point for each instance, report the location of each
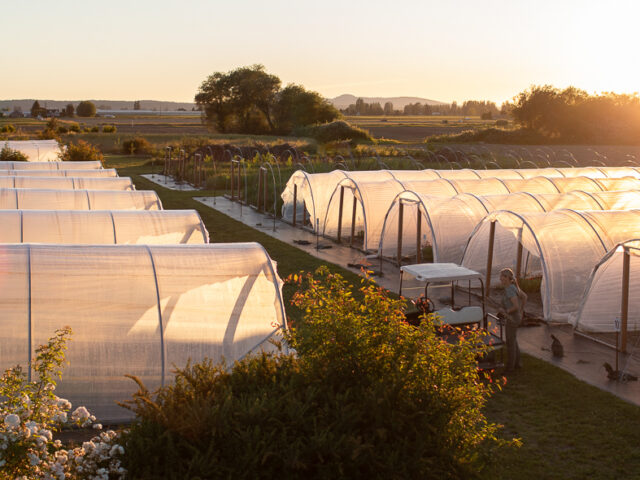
(569, 429)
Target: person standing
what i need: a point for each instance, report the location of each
(512, 312)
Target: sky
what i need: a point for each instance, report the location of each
(440, 50)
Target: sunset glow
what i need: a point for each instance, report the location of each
(454, 51)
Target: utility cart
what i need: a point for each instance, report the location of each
(455, 320)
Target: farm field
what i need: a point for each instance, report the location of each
(415, 128)
(569, 429)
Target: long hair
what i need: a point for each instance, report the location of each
(507, 272)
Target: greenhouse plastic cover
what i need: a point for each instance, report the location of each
(136, 310)
(88, 165)
(35, 150)
(562, 246)
(100, 227)
(447, 223)
(101, 172)
(373, 198)
(36, 199)
(314, 190)
(601, 305)
(67, 183)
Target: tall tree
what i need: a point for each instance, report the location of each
(86, 109)
(388, 108)
(296, 106)
(69, 111)
(136, 105)
(36, 109)
(240, 100)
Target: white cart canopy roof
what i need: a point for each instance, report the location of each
(90, 165)
(601, 304)
(135, 310)
(36, 199)
(102, 172)
(440, 272)
(99, 227)
(35, 150)
(562, 246)
(67, 183)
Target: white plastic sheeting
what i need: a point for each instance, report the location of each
(601, 304)
(89, 165)
(37, 199)
(365, 202)
(447, 223)
(562, 246)
(67, 183)
(99, 227)
(101, 172)
(135, 310)
(314, 190)
(35, 150)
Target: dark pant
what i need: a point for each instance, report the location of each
(513, 351)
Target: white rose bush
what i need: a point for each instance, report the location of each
(30, 415)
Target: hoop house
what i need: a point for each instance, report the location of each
(36, 199)
(101, 172)
(136, 310)
(35, 150)
(312, 191)
(67, 183)
(357, 207)
(602, 304)
(89, 165)
(560, 246)
(99, 227)
(447, 223)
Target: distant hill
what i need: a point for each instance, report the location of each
(25, 104)
(343, 101)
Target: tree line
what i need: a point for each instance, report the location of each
(479, 108)
(573, 115)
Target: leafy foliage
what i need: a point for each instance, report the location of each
(136, 145)
(81, 151)
(249, 100)
(9, 155)
(109, 129)
(296, 106)
(367, 396)
(334, 132)
(86, 109)
(7, 128)
(572, 115)
(30, 413)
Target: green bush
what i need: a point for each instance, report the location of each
(366, 396)
(62, 129)
(74, 127)
(95, 129)
(9, 155)
(81, 151)
(86, 109)
(333, 132)
(136, 146)
(109, 129)
(7, 128)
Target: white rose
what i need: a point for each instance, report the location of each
(12, 420)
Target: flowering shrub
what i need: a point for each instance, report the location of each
(366, 396)
(30, 415)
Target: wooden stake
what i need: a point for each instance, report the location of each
(400, 218)
(492, 235)
(624, 308)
